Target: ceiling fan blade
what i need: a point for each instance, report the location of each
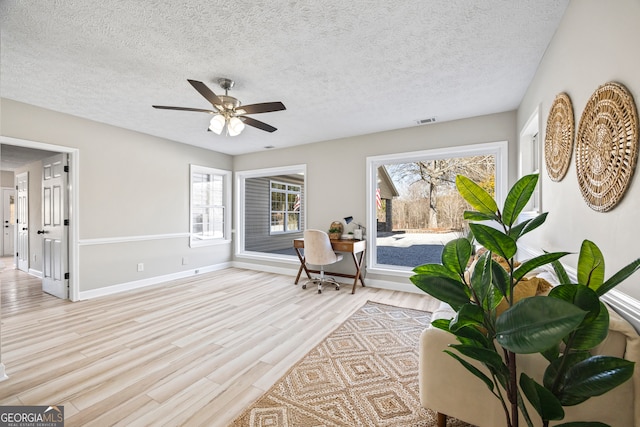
(257, 124)
(200, 110)
(206, 92)
(265, 107)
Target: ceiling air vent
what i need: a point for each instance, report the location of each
(425, 121)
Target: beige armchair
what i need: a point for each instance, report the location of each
(449, 389)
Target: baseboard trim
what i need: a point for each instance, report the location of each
(151, 281)
(35, 273)
(625, 305)
(373, 283)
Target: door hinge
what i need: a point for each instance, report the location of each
(66, 222)
(66, 276)
(66, 168)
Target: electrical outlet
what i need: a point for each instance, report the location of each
(185, 260)
(140, 266)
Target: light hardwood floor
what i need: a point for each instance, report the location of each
(194, 352)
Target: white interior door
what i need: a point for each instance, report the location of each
(22, 221)
(8, 220)
(54, 231)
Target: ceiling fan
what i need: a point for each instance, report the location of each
(229, 111)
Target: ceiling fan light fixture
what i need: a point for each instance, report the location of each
(235, 126)
(217, 124)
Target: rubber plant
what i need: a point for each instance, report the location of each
(563, 326)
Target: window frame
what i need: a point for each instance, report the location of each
(499, 148)
(286, 191)
(226, 206)
(240, 209)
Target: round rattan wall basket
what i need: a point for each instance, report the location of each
(558, 142)
(607, 146)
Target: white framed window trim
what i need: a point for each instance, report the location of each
(240, 211)
(499, 149)
(209, 206)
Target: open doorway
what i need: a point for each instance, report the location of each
(27, 165)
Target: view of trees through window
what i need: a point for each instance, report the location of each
(424, 207)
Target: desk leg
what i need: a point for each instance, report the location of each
(357, 260)
(303, 266)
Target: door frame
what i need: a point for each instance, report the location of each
(73, 204)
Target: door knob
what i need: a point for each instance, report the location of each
(42, 232)
(24, 228)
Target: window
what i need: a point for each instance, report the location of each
(530, 159)
(285, 207)
(270, 212)
(210, 198)
(413, 207)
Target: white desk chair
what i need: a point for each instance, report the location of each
(318, 251)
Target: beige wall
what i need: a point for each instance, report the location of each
(595, 43)
(336, 170)
(6, 179)
(131, 185)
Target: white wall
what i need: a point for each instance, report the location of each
(133, 196)
(597, 42)
(336, 170)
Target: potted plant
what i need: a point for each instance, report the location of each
(335, 233)
(575, 320)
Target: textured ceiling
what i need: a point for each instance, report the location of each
(342, 68)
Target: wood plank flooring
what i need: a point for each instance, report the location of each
(193, 352)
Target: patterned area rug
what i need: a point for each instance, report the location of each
(365, 373)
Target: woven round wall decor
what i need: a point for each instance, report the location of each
(558, 142)
(607, 146)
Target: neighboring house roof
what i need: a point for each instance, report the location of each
(387, 189)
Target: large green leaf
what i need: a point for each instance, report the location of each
(597, 375)
(481, 278)
(581, 296)
(536, 262)
(436, 270)
(478, 216)
(563, 277)
(494, 240)
(476, 196)
(542, 400)
(518, 198)
(456, 255)
(448, 290)
(528, 225)
(535, 324)
(471, 335)
(555, 372)
(590, 334)
(590, 265)
(475, 371)
(501, 279)
(441, 324)
(468, 315)
(619, 277)
(487, 356)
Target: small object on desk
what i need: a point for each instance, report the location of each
(348, 236)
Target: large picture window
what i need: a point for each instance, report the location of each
(285, 207)
(210, 200)
(413, 207)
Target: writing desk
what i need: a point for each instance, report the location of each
(356, 248)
